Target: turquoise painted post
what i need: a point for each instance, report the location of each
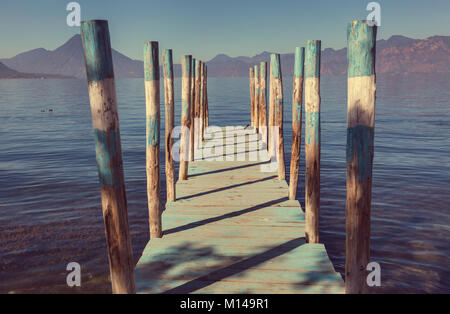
(297, 107)
(152, 100)
(105, 121)
(361, 39)
(191, 130)
(198, 94)
(169, 123)
(203, 103)
(185, 115)
(277, 99)
(252, 96)
(206, 99)
(256, 72)
(263, 102)
(312, 139)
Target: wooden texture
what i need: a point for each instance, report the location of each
(152, 100)
(256, 73)
(271, 129)
(277, 89)
(297, 107)
(198, 94)
(234, 230)
(191, 130)
(312, 139)
(263, 102)
(252, 96)
(360, 140)
(201, 109)
(185, 115)
(170, 117)
(105, 121)
(206, 99)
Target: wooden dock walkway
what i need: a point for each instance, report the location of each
(233, 229)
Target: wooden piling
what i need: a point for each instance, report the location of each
(270, 140)
(203, 104)
(192, 111)
(312, 139)
(252, 96)
(277, 89)
(105, 122)
(256, 98)
(263, 101)
(206, 98)
(169, 114)
(152, 100)
(297, 107)
(360, 150)
(185, 115)
(198, 67)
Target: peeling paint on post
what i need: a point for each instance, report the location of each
(192, 111)
(297, 102)
(105, 121)
(198, 94)
(277, 89)
(361, 52)
(270, 141)
(252, 96)
(185, 115)
(203, 104)
(256, 97)
(206, 98)
(152, 100)
(312, 139)
(263, 101)
(169, 106)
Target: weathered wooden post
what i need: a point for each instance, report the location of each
(203, 104)
(256, 98)
(206, 98)
(312, 139)
(192, 110)
(185, 115)
(152, 100)
(252, 96)
(198, 67)
(270, 141)
(169, 106)
(105, 122)
(360, 138)
(277, 89)
(297, 98)
(263, 102)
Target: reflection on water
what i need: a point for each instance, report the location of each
(50, 201)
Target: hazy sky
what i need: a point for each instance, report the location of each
(205, 28)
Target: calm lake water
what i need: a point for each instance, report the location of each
(50, 201)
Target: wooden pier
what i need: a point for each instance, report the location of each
(230, 224)
(233, 229)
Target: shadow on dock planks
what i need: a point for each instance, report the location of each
(234, 230)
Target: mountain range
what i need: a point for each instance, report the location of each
(397, 55)
(8, 73)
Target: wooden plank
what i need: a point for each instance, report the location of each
(298, 265)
